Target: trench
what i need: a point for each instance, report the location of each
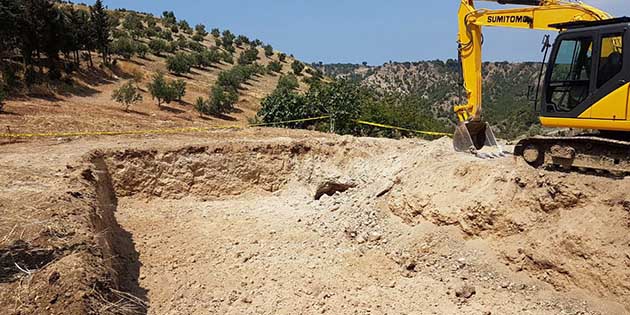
(181, 226)
(299, 227)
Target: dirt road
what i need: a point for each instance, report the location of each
(266, 221)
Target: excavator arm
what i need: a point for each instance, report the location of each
(536, 15)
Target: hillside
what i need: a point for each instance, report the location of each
(438, 84)
(71, 89)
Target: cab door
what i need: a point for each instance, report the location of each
(612, 87)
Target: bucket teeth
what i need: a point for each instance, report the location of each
(472, 137)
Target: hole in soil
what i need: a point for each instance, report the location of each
(26, 257)
(331, 188)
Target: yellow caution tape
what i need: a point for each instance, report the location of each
(145, 132)
(429, 133)
(290, 121)
(198, 129)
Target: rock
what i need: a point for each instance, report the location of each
(361, 239)
(466, 292)
(375, 236)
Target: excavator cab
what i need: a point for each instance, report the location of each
(588, 76)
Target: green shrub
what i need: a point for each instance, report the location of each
(124, 47)
(228, 39)
(222, 100)
(166, 35)
(274, 66)
(248, 56)
(133, 22)
(196, 46)
(201, 30)
(161, 90)
(198, 37)
(179, 89)
(158, 46)
(172, 47)
(297, 67)
(243, 39)
(282, 57)
(169, 17)
(174, 29)
(288, 83)
(268, 50)
(179, 64)
(185, 27)
(142, 50)
(227, 58)
(202, 106)
(215, 32)
(211, 56)
(127, 95)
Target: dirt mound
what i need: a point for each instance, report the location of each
(335, 225)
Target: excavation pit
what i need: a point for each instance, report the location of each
(233, 228)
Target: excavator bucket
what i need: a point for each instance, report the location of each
(476, 138)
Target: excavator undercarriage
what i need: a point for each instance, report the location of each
(588, 152)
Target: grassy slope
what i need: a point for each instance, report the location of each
(86, 103)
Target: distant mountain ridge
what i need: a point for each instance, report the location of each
(439, 83)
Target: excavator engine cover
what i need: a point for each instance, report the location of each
(473, 136)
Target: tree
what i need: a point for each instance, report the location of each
(179, 89)
(288, 83)
(127, 95)
(161, 90)
(158, 46)
(297, 67)
(268, 50)
(274, 66)
(124, 47)
(178, 64)
(201, 30)
(341, 99)
(222, 100)
(228, 39)
(282, 57)
(283, 105)
(211, 56)
(248, 56)
(101, 26)
(202, 106)
(166, 35)
(169, 17)
(243, 39)
(198, 37)
(215, 32)
(185, 27)
(133, 24)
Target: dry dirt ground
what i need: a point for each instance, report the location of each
(270, 221)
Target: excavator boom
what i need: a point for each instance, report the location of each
(472, 132)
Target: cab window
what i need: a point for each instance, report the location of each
(571, 75)
(611, 58)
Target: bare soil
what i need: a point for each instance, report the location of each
(269, 221)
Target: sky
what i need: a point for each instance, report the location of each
(355, 31)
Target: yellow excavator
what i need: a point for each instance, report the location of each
(586, 84)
